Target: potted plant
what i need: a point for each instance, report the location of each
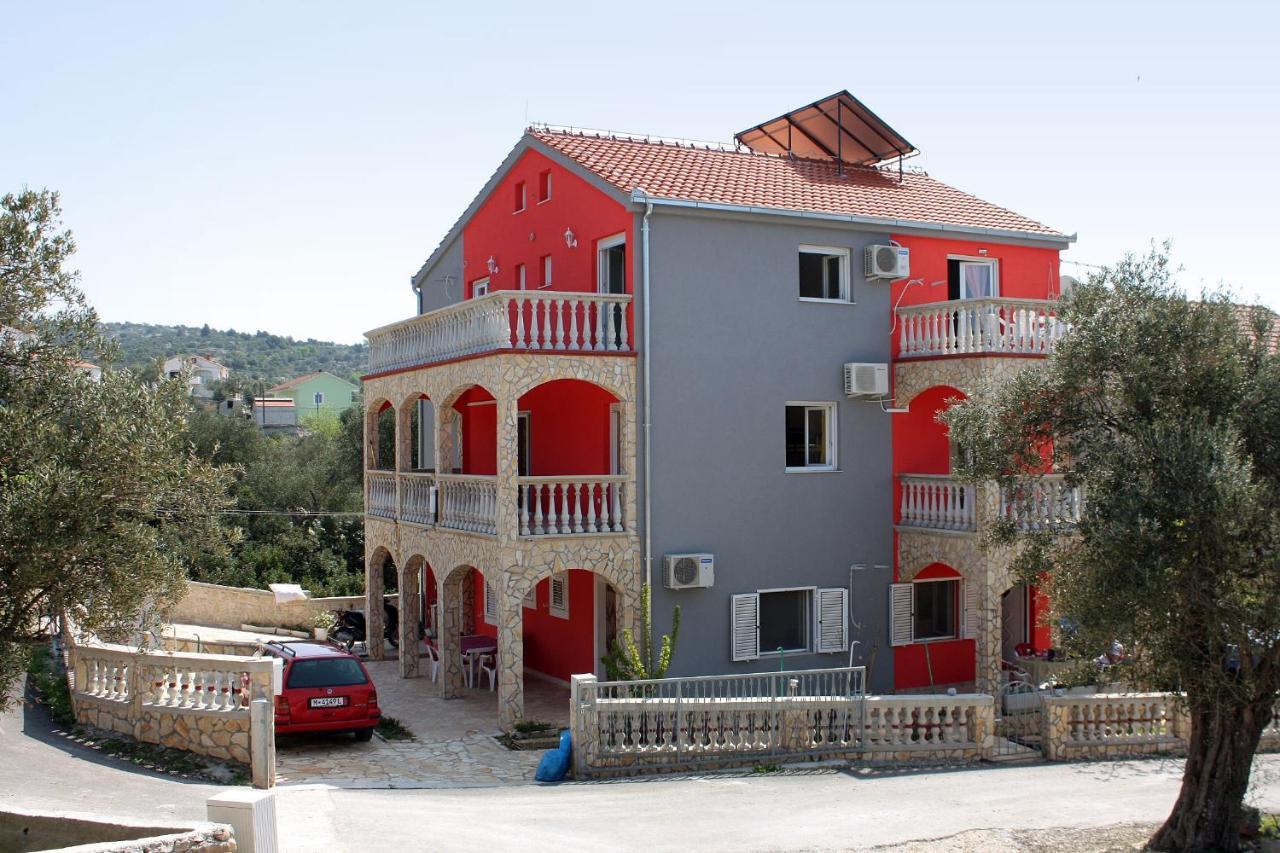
(323, 624)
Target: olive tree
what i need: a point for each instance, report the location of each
(1166, 412)
(103, 504)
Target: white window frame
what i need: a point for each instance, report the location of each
(490, 602)
(546, 272)
(318, 398)
(957, 618)
(846, 294)
(994, 263)
(480, 287)
(527, 417)
(562, 579)
(615, 438)
(811, 628)
(832, 442)
(602, 265)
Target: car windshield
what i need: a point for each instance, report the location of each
(326, 672)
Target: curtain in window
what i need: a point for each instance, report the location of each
(977, 281)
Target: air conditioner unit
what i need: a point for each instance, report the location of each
(690, 571)
(890, 262)
(866, 380)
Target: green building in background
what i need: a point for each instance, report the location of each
(318, 393)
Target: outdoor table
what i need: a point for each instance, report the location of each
(473, 647)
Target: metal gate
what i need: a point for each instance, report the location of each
(1019, 723)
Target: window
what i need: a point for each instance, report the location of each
(479, 288)
(325, 672)
(972, 278)
(490, 602)
(520, 279)
(318, 398)
(935, 610)
(761, 623)
(522, 447)
(546, 271)
(784, 620)
(544, 186)
(824, 273)
(611, 273)
(520, 197)
(558, 596)
(811, 439)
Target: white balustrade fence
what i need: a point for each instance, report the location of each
(1107, 725)
(938, 503)
(569, 505)
(381, 497)
(979, 327)
(468, 502)
(416, 504)
(506, 319)
(906, 723)
(1044, 503)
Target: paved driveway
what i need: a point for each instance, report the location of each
(455, 744)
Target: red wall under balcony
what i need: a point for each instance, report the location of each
(553, 646)
(511, 238)
(568, 428)
(479, 431)
(951, 661)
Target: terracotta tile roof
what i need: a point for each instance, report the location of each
(690, 173)
(290, 383)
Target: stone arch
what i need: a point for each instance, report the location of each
(376, 444)
(457, 603)
(374, 586)
(415, 432)
(553, 370)
(449, 438)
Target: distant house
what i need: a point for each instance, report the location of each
(315, 393)
(269, 412)
(204, 372)
(90, 369)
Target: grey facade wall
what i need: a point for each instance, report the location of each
(732, 344)
(442, 282)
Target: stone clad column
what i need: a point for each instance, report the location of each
(510, 651)
(507, 521)
(449, 636)
(410, 615)
(373, 597)
(989, 572)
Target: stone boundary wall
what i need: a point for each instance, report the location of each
(221, 706)
(230, 607)
(21, 829)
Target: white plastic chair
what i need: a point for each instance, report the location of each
(434, 657)
(489, 666)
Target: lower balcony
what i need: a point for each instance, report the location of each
(545, 506)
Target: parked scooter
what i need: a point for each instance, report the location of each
(351, 627)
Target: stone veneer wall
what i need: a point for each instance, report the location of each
(21, 829)
(230, 607)
(212, 733)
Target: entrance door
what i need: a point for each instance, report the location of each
(1014, 614)
(606, 623)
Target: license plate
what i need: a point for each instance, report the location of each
(329, 702)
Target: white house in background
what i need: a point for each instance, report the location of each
(90, 369)
(271, 412)
(204, 371)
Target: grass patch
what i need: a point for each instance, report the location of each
(389, 728)
(1269, 827)
(767, 768)
(532, 727)
(50, 685)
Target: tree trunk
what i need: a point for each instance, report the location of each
(1209, 811)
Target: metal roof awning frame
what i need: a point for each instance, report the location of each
(838, 127)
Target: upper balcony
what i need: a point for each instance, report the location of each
(942, 504)
(507, 320)
(979, 327)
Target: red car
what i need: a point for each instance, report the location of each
(326, 689)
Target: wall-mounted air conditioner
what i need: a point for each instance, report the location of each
(690, 571)
(866, 380)
(890, 262)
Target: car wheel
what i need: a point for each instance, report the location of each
(364, 735)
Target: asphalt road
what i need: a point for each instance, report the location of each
(809, 810)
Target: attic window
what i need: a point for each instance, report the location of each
(520, 197)
(544, 186)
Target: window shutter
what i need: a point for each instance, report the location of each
(559, 596)
(745, 626)
(970, 615)
(490, 602)
(833, 620)
(901, 611)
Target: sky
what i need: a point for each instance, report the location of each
(286, 166)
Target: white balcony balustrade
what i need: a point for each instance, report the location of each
(938, 503)
(468, 502)
(547, 321)
(551, 506)
(979, 327)
(380, 496)
(417, 505)
(1045, 503)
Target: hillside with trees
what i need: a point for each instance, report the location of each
(252, 356)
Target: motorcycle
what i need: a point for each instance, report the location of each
(351, 627)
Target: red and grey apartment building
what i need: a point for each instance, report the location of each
(714, 370)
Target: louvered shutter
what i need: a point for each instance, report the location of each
(833, 620)
(901, 607)
(490, 602)
(744, 626)
(559, 597)
(970, 614)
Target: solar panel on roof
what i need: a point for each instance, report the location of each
(838, 127)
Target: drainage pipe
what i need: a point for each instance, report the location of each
(647, 422)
